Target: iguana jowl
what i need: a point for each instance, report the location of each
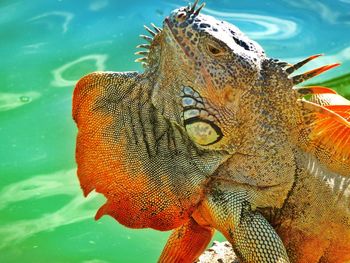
(216, 135)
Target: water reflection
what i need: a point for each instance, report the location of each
(322, 9)
(273, 27)
(67, 17)
(33, 48)
(98, 5)
(10, 101)
(60, 81)
(43, 186)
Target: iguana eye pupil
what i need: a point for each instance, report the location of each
(213, 50)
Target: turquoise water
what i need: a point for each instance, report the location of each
(46, 46)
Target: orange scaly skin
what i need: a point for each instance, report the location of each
(214, 135)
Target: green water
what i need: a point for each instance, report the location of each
(45, 47)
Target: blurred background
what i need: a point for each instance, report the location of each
(47, 45)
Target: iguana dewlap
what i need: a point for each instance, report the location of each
(216, 135)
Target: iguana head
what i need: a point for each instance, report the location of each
(201, 68)
(222, 61)
(217, 84)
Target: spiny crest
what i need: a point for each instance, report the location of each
(326, 131)
(317, 91)
(144, 53)
(309, 74)
(192, 9)
(280, 63)
(325, 128)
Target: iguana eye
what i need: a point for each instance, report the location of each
(214, 50)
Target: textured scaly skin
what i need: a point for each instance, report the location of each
(213, 136)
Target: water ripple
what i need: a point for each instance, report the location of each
(66, 15)
(10, 101)
(33, 48)
(60, 81)
(326, 12)
(42, 186)
(98, 5)
(273, 27)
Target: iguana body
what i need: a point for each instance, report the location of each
(214, 136)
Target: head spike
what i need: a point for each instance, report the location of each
(199, 9)
(193, 6)
(312, 73)
(150, 30)
(144, 46)
(327, 110)
(283, 64)
(158, 29)
(280, 63)
(143, 59)
(298, 65)
(147, 38)
(143, 53)
(314, 90)
(144, 64)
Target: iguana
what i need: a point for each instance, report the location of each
(214, 135)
